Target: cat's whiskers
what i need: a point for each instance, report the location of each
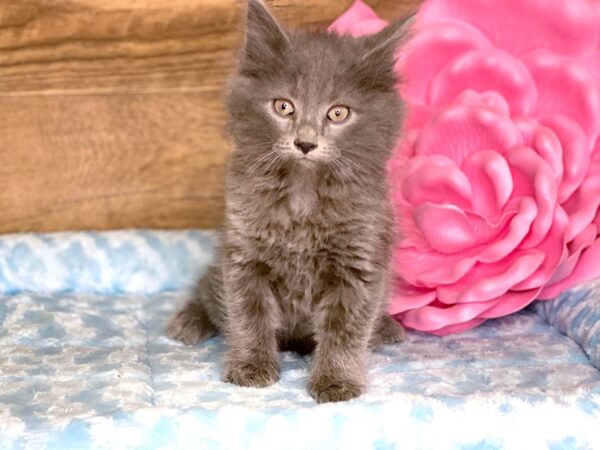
(338, 171)
(352, 165)
(349, 166)
(264, 159)
(276, 160)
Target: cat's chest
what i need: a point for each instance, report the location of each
(301, 199)
(294, 255)
(292, 222)
(296, 240)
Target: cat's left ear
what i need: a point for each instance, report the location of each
(385, 43)
(380, 48)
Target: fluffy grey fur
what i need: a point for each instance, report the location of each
(308, 230)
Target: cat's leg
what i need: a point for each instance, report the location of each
(252, 316)
(191, 324)
(198, 319)
(345, 320)
(387, 331)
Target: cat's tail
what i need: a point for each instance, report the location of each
(197, 320)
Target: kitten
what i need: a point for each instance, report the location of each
(306, 246)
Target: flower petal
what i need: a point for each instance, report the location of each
(488, 281)
(435, 179)
(487, 100)
(555, 251)
(568, 27)
(456, 233)
(575, 153)
(458, 327)
(519, 225)
(533, 177)
(584, 240)
(583, 206)
(407, 297)
(442, 41)
(545, 142)
(483, 71)
(491, 180)
(587, 269)
(464, 129)
(566, 87)
(429, 268)
(511, 302)
(418, 114)
(431, 318)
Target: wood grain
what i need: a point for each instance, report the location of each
(135, 46)
(111, 161)
(111, 113)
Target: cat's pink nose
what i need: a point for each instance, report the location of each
(305, 146)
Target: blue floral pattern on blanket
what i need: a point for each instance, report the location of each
(84, 363)
(116, 262)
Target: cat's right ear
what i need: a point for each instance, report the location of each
(266, 42)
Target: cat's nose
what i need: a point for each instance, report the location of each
(305, 146)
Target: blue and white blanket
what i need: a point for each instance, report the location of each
(84, 364)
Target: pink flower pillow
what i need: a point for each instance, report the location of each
(496, 182)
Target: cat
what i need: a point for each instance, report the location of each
(306, 245)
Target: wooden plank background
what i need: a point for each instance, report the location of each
(111, 113)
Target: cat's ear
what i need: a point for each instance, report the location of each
(266, 41)
(380, 51)
(383, 45)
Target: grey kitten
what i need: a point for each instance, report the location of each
(306, 246)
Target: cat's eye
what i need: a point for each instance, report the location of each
(338, 114)
(283, 107)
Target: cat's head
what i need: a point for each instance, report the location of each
(313, 99)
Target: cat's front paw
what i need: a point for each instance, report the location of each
(325, 389)
(190, 325)
(387, 332)
(258, 373)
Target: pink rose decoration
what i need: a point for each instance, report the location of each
(496, 182)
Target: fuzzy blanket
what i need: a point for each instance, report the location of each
(84, 363)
